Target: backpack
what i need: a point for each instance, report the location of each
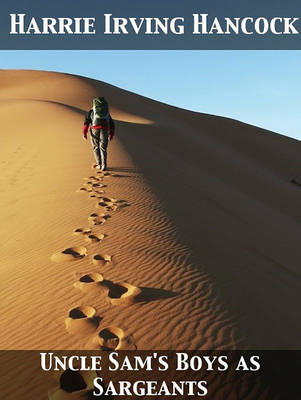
(101, 112)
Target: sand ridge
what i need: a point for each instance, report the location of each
(197, 217)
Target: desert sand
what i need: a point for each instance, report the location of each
(191, 240)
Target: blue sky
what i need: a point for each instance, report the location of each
(262, 88)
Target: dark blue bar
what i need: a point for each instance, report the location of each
(38, 9)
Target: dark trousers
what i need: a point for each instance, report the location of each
(99, 141)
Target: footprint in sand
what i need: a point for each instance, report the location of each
(84, 189)
(113, 338)
(82, 312)
(82, 231)
(91, 177)
(123, 293)
(92, 186)
(96, 195)
(82, 320)
(104, 204)
(101, 259)
(94, 165)
(89, 282)
(97, 219)
(102, 174)
(98, 185)
(109, 200)
(118, 293)
(109, 204)
(70, 254)
(110, 338)
(92, 277)
(94, 238)
(96, 179)
(73, 385)
(99, 188)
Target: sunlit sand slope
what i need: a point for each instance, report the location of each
(190, 240)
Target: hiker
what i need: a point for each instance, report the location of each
(101, 127)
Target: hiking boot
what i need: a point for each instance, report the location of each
(103, 167)
(98, 167)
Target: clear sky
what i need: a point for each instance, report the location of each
(262, 88)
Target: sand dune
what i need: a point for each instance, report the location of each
(190, 241)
